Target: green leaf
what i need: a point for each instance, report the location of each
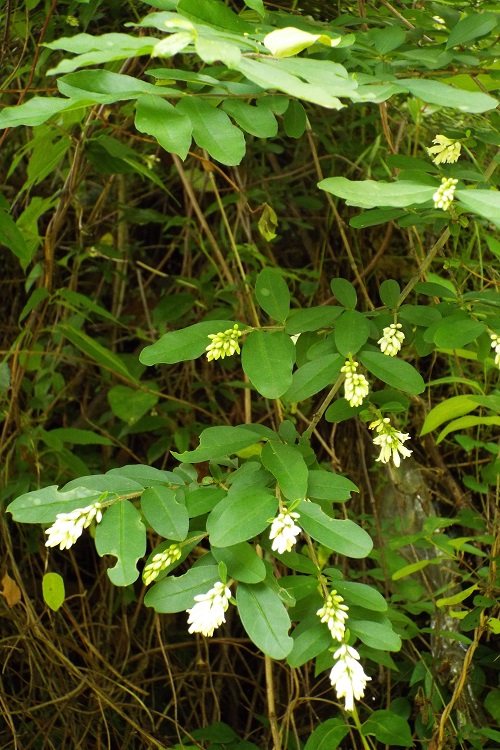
(273, 294)
(271, 74)
(435, 92)
(371, 194)
(325, 485)
(12, 237)
(377, 635)
(214, 131)
(129, 404)
(328, 735)
(168, 517)
(393, 371)
(36, 111)
(456, 406)
(213, 13)
(341, 410)
(176, 593)
(287, 465)
(203, 499)
(105, 87)
(295, 120)
(289, 41)
(485, 203)
(265, 619)
(219, 441)
(449, 601)
(121, 533)
(180, 346)
(389, 728)
(267, 359)
(171, 128)
(53, 590)
(311, 319)
(375, 217)
(240, 516)
(345, 292)
(256, 5)
(361, 594)
(389, 292)
(351, 332)
(312, 377)
(43, 506)
(255, 120)
(268, 221)
(242, 562)
(96, 50)
(342, 536)
(308, 642)
(456, 331)
(472, 27)
(97, 353)
(464, 423)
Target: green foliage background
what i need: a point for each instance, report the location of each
(165, 176)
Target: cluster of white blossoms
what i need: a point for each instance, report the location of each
(390, 441)
(495, 344)
(284, 531)
(445, 150)
(209, 611)
(159, 562)
(69, 526)
(224, 344)
(348, 676)
(392, 339)
(334, 613)
(443, 197)
(356, 387)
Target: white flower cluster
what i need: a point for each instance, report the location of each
(495, 344)
(209, 611)
(446, 150)
(224, 344)
(284, 531)
(69, 526)
(356, 387)
(392, 339)
(334, 613)
(443, 197)
(348, 676)
(159, 562)
(390, 441)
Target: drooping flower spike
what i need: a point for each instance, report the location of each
(159, 562)
(224, 343)
(443, 197)
(390, 441)
(284, 531)
(208, 613)
(68, 527)
(445, 150)
(356, 386)
(348, 676)
(495, 345)
(392, 339)
(334, 613)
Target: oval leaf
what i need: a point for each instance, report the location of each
(351, 332)
(287, 465)
(214, 131)
(180, 346)
(273, 294)
(240, 516)
(268, 358)
(175, 593)
(344, 537)
(265, 619)
(242, 562)
(312, 377)
(393, 371)
(122, 533)
(53, 590)
(162, 511)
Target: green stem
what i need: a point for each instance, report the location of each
(425, 265)
(324, 406)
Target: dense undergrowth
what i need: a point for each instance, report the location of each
(116, 232)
